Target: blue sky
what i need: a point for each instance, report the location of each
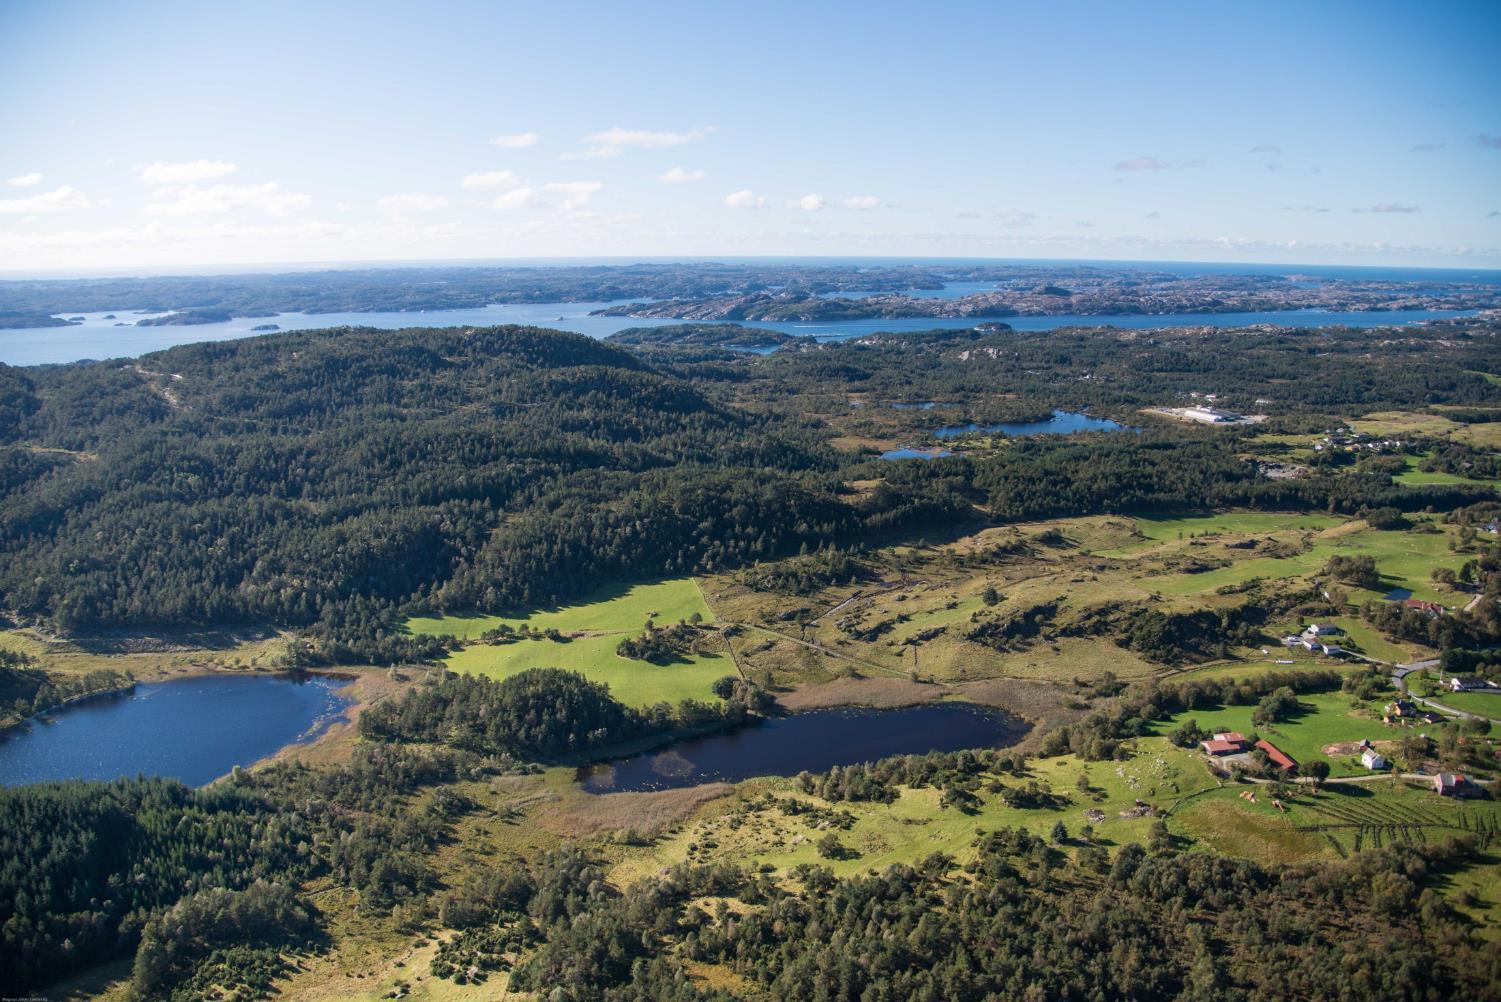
(151, 135)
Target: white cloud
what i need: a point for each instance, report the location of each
(25, 180)
(493, 179)
(578, 192)
(516, 141)
(515, 198)
(808, 203)
(679, 175)
(57, 200)
(412, 202)
(187, 172)
(861, 202)
(612, 142)
(746, 199)
(192, 200)
(1391, 207)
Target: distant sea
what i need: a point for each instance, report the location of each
(98, 338)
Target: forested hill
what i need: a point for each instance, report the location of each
(334, 481)
(324, 476)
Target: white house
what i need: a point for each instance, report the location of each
(1323, 630)
(1373, 760)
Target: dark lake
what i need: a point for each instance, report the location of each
(192, 729)
(813, 741)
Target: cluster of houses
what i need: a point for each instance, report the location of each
(1318, 638)
(1227, 743)
(1349, 440)
(1471, 683)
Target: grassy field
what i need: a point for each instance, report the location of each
(1398, 423)
(915, 825)
(637, 683)
(617, 608)
(592, 630)
(1403, 558)
(1154, 531)
(1327, 718)
(1486, 704)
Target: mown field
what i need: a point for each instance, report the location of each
(638, 683)
(1487, 704)
(616, 608)
(591, 630)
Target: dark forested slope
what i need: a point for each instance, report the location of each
(294, 477)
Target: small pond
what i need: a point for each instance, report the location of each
(813, 741)
(1061, 423)
(192, 729)
(909, 453)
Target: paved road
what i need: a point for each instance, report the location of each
(1399, 672)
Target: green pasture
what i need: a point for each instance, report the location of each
(615, 608)
(1403, 558)
(637, 683)
(1235, 523)
(1486, 704)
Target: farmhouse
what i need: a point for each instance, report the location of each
(1400, 709)
(1433, 609)
(1373, 760)
(1454, 784)
(1276, 756)
(1468, 683)
(1224, 743)
(1323, 630)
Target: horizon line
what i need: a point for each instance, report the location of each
(582, 261)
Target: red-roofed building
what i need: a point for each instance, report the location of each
(1277, 757)
(1432, 608)
(1224, 743)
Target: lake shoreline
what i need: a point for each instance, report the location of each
(811, 741)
